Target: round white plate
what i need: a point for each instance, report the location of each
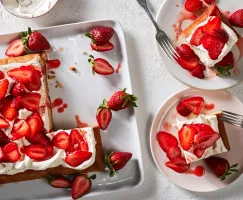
(166, 117)
(166, 18)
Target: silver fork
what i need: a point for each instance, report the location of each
(232, 118)
(161, 36)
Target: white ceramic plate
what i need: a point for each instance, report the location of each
(83, 92)
(167, 114)
(166, 20)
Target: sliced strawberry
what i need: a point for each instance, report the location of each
(3, 138)
(194, 104)
(3, 88)
(59, 182)
(50, 151)
(227, 60)
(61, 140)
(173, 152)
(213, 24)
(178, 164)
(102, 67)
(186, 136)
(186, 52)
(16, 103)
(198, 71)
(20, 129)
(18, 89)
(205, 139)
(3, 123)
(16, 48)
(188, 65)
(38, 117)
(221, 35)
(35, 83)
(101, 48)
(193, 5)
(197, 36)
(40, 138)
(22, 74)
(7, 111)
(2, 75)
(76, 158)
(182, 110)
(31, 101)
(166, 140)
(34, 126)
(199, 152)
(210, 1)
(201, 127)
(236, 19)
(3, 157)
(77, 142)
(213, 46)
(12, 153)
(36, 152)
(80, 186)
(103, 115)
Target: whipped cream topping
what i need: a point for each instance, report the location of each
(217, 148)
(29, 8)
(23, 113)
(203, 54)
(26, 163)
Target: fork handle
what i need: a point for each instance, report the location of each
(144, 5)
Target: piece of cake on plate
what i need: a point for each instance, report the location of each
(210, 36)
(202, 137)
(29, 149)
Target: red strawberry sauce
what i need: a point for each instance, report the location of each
(118, 68)
(198, 171)
(80, 124)
(60, 109)
(209, 106)
(53, 64)
(57, 102)
(167, 126)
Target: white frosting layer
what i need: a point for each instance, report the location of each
(29, 8)
(57, 160)
(202, 53)
(217, 148)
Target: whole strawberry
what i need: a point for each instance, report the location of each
(220, 167)
(34, 40)
(116, 161)
(236, 19)
(121, 100)
(100, 35)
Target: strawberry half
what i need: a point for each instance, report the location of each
(12, 153)
(3, 88)
(76, 158)
(3, 138)
(18, 89)
(22, 74)
(3, 123)
(198, 71)
(35, 82)
(76, 142)
(194, 104)
(178, 164)
(186, 52)
(197, 36)
(101, 48)
(7, 111)
(35, 125)
(101, 66)
(81, 185)
(40, 138)
(59, 181)
(61, 140)
(201, 127)
(199, 152)
(20, 129)
(236, 19)
(221, 35)
(36, 152)
(100, 35)
(16, 48)
(213, 24)
(182, 110)
(173, 152)
(205, 139)
(103, 115)
(166, 140)
(227, 60)
(221, 167)
(31, 101)
(186, 137)
(16, 103)
(116, 161)
(188, 65)
(193, 5)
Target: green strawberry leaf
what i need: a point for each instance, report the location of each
(224, 71)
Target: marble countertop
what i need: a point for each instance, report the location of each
(150, 79)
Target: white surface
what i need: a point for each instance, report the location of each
(168, 114)
(151, 82)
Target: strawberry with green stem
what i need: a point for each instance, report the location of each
(100, 66)
(103, 115)
(59, 181)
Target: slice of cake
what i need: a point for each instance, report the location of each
(202, 137)
(210, 36)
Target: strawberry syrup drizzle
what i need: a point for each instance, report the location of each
(57, 102)
(167, 126)
(198, 171)
(80, 124)
(209, 106)
(118, 68)
(53, 64)
(60, 109)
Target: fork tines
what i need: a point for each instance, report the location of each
(232, 118)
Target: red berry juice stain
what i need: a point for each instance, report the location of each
(174, 115)
(64, 105)
(118, 68)
(80, 124)
(60, 109)
(198, 171)
(57, 102)
(177, 5)
(167, 126)
(53, 64)
(209, 106)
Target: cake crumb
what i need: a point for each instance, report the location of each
(73, 69)
(51, 77)
(52, 72)
(58, 85)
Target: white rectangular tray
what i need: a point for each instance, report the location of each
(83, 92)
